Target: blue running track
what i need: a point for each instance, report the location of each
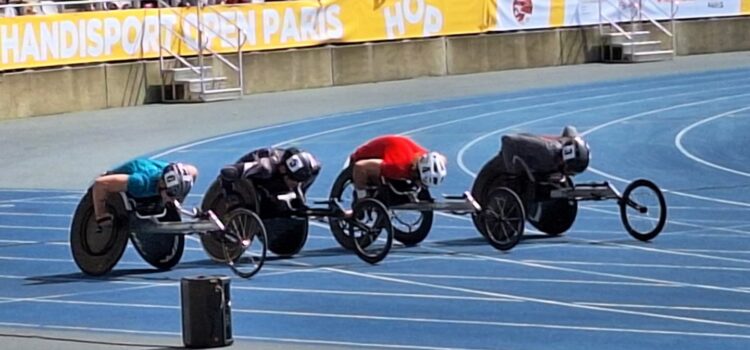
(594, 287)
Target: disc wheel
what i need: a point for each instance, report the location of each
(554, 216)
(95, 253)
(161, 251)
(243, 242)
(643, 210)
(215, 201)
(371, 230)
(410, 227)
(503, 218)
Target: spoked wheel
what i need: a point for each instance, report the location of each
(503, 218)
(343, 192)
(215, 201)
(371, 230)
(244, 242)
(96, 253)
(643, 210)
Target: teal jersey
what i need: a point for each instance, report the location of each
(144, 176)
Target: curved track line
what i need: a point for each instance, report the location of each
(681, 134)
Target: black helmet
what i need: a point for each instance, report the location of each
(575, 154)
(177, 180)
(300, 165)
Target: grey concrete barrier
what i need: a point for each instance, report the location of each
(371, 62)
(33, 93)
(42, 92)
(491, 52)
(713, 35)
(287, 70)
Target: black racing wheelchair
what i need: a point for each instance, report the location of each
(412, 210)
(549, 200)
(286, 218)
(158, 231)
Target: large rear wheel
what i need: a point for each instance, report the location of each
(97, 253)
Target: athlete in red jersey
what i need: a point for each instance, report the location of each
(395, 157)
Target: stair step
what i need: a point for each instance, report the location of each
(649, 56)
(221, 94)
(639, 46)
(208, 83)
(183, 73)
(620, 38)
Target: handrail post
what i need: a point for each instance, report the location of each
(200, 44)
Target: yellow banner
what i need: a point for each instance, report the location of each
(62, 39)
(745, 7)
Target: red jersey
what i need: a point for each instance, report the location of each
(397, 152)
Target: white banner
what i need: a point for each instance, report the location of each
(586, 12)
(524, 14)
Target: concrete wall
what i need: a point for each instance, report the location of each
(33, 93)
(482, 53)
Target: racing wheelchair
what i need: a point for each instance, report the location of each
(412, 208)
(158, 231)
(549, 200)
(286, 218)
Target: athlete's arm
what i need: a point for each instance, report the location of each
(366, 171)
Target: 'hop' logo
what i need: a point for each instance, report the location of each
(522, 10)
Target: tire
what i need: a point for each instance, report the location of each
(372, 221)
(243, 225)
(489, 177)
(627, 209)
(162, 251)
(214, 200)
(418, 234)
(286, 236)
(92, 255)
(338, 192)
(555, 216)
(504, 218)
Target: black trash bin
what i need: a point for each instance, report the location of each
(206, 311)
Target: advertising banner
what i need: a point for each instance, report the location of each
(530, 14)
(70, 38)
(86, 37)
(586, 12)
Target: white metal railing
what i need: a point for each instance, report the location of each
(199, 46)
(633, 10)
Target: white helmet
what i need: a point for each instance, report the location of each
(431, 168)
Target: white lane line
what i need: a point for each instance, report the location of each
(374, 294)
(4, 300)
(714, 251)
(683, 132)
(463, 150)
(46, 228)
(33, 199)
(10, 213)
(356, 125)
(24, 201)
(235, 336)
(681, 223)
(667, 307)
(546, 301)
(436, 110)
(519, 279)
(484, 323)
(651, 266)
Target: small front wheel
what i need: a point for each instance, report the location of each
(371, 230)
(503, 218)
(244, 242)
(643, 210)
